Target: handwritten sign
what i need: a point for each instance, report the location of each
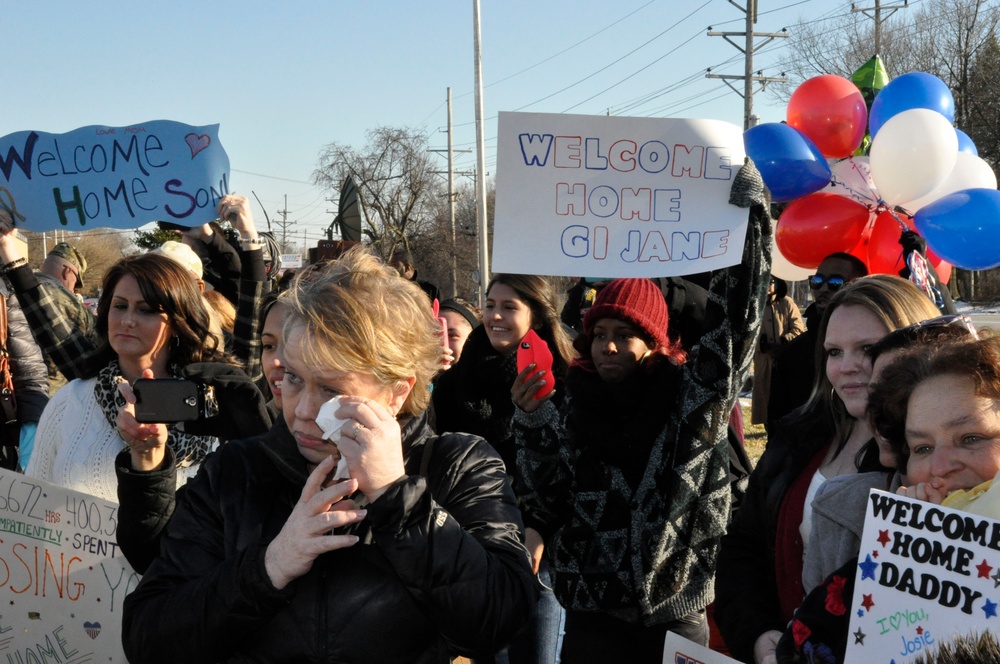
(117, 177)
(678, 650)
(599, 196)
(926, 574)
(62, 577)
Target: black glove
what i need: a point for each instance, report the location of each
(911, 242)
(242, 408)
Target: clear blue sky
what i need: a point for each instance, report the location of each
(284, 79)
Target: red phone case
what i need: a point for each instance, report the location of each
(533, 349)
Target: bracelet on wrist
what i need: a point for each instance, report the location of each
(251, 242)
(16, 263)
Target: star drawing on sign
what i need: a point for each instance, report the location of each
(996, 579)
(868, 568)
(867, 602)
(859, 637)
(861, 613)
(990, 609)
(920, 629)
(984, 569)
(883, 537)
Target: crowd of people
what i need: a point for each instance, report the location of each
(373, 476)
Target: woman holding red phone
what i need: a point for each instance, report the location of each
(474, 397)
(628, 478)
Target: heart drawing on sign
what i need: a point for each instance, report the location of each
(93, 629)
(197, 142)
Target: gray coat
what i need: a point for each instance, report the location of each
(838, 522)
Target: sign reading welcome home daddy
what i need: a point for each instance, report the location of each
(117, 177)
(62, 577)
(927, 574)
(581, 195)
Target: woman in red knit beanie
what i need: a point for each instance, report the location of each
(627, 478)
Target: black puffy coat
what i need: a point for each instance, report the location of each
(440, 567)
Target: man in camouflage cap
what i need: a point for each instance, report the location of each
(66, 265)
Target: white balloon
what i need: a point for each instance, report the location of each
(912, 154)
(782, 268)
(852, 177)
(969, 172)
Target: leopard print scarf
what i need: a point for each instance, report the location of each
(189, 449)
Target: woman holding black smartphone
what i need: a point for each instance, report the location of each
(151, 322)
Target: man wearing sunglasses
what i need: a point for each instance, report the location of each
(794, 364)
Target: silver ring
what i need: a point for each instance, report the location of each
(357, 428)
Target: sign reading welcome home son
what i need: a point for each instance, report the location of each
(113, 177)
(927, 575)
(582, 195)
(62, 576)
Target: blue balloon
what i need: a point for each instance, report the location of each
(909, 91)
(965, 143)
(791, 164)
(963, 228)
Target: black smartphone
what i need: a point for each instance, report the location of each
(166, 400)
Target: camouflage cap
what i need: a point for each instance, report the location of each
(69, 253)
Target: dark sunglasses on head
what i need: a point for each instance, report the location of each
(816, 282)
(949, 326)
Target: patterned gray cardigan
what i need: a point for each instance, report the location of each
(649, 555)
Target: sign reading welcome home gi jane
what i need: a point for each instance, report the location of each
(62, 577)
(117, 177)
(604, 196)
(926, 575)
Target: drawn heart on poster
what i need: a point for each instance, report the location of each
(93, 629)
(197, 142)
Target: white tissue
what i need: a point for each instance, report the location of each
(331, 426)
(342, 472)
(328, 422)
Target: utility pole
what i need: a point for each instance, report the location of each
(484, 257)
(284, 223)
(878, 18)
(748, 48)
(451, 195)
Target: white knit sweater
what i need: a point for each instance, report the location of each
(75, 446)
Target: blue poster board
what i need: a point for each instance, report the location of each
(113, 177)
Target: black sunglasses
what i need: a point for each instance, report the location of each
(949, 326)
(816, 282)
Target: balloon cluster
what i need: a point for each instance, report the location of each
(920, 173)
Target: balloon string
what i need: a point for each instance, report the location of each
(920, 275)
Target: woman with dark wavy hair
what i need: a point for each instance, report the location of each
(151, 322)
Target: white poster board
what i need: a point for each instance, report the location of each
(678, 650)
(599, 196)
(926, 573)
(62, 576)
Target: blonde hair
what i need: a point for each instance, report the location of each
(361, 316)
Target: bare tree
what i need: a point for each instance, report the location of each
(395, 179)
(940, 37)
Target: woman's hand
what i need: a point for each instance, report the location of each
(526, 387)
(237, 210)
(307, 532)
(372, 444)
(934, 491)
(536, 547)
(147, 442)
(765, 646)
(9, 251)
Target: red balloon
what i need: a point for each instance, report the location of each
(815, 226)
(885, 254)
(831, 111)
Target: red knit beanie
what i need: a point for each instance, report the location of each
(638, 302)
